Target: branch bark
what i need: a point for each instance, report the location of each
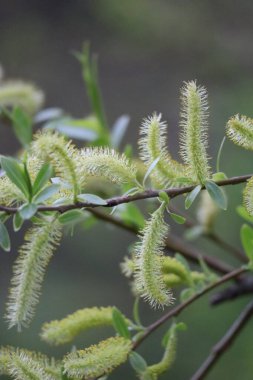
(225, 343)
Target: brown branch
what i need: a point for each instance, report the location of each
(225, 343)
(147, 194)
(178, 309)
(213, 236)
(173, 243)
(242, 288)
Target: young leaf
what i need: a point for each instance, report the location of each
(4, 238)
(150, 169)
(17, 222)
(46, 193)
(119, 323)
(119, 129)
(177, 218)
(71, 216)
(216, 194)
(16, 174)
(22, 124)
(27, 210)
(219, 176)
(91, 198)
(192, 196)
(247, 240)
(138, 363)
(44, 175)
(164, 197)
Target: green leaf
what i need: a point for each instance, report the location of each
(4, 238)
(219, 176)
(177, 218)
(132, 215)
(119, 323)
(246, 234)
(27, 210)
(244, 214)
(150, 169)
(192, 196)
(119, 129)
(43, 176)
(46, 193)
(164, 197)
(91, 198)
(183, 261)
(22, 125)
(136, 314)
(16, 174)
(217, 194)
(71, 216)
(17, 222)
(137, 362)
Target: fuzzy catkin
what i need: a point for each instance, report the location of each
(194, 131)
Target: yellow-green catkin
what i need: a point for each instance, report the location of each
(153, 145)
(194, 131)
(97, 360)
(148, 265)
(106, 163)
(21, 364)
(239, 129)
(248, 196)
(50, 146)
(155, 370)
(65, 330)
(23, 94)
(29, 270)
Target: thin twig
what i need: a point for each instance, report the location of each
(173, 243)
(189, 223)
(225, 343)
(178, 309)
(147, 194)
(242, 288)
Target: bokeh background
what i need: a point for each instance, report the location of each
(146, 49)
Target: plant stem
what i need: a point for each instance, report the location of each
(224, 344)
(147, 194)
(178, 309)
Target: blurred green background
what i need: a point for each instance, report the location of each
(146, 49)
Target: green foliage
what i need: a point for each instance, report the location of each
(53, 184)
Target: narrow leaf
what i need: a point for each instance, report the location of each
(44, 175)
(244, 214)
(16, 174)
(22, 125)
(17, 222)
(4, 238)
(150, 169)
(71, 216)
(46, 193)
(247, 240)
(119, 323)
(27, 210)
(119, 129)
(192, 196)
(177, 218)
(137, 362)
(216, 194)
(91, 198)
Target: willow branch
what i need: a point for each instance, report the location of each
(173, 243)
(147, 194)
(214, 237)
(241, 288)
(178, 309)
(225, 343)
